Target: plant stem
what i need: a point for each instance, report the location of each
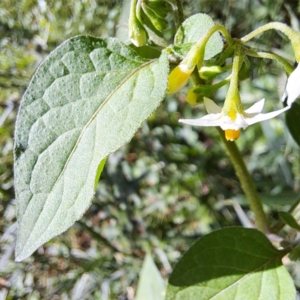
(288, 68)
(218, 27)
(195, 56)
(289, 32)
(180, 15)
(247, 184)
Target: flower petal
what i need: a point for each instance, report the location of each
(263, 117)
(256, 108)
(211, 106)
(228, 124)
(292, 90)
(224, 122)
(208, 120)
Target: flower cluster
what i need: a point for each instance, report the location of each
(232, 117)
(232, 121)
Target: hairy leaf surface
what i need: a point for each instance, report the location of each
(86, 100)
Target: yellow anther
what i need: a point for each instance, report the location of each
(232, 135)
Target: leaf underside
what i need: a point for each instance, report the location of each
(231, 263)
(86, 100)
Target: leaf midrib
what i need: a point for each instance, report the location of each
(79, 139)
(261, 267)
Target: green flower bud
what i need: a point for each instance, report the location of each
(154, 17)
(137, 33)
(194, 97)
(209, 72)
(161, 8)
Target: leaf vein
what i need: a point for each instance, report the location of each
(105, 102)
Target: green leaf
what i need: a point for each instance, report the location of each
(192, 29)
(292, 121)
(151, 285)
(231, 263)
(86, 100)
(289, 220)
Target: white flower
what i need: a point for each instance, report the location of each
(232, 121)
(292, 89)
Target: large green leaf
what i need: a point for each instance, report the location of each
(231, 263)
(151, 285)
(190, 32)
(86, 100)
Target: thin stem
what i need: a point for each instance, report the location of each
(138, 10)
(180, 15)
(288, 68)
(196, 54)
(133, 7)
(211, 31)
(293, 35)
(289, 32)
(218, 85)
(247, 184)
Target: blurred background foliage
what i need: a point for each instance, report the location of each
(170, 185)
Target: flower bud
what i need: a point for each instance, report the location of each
(137, 33)
(209, 72)
(178, 78)
(158, 22)
(193, 97)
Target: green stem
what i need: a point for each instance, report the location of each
(133, 8)
(287, 66)
(218, 85)
(212, 30)
(180, 15)
(138, 11)
(289, 32)
(247, 184)
(196, 54)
